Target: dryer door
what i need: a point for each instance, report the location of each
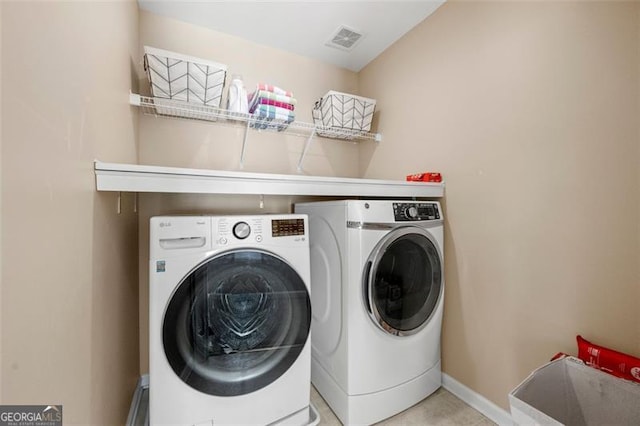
(236, 323)
(403, 280)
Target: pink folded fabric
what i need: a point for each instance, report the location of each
(270, 95)
(262, 97)
(265, 101)
(274, 89)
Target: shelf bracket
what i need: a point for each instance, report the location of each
(306, 148)
(135, 99)
(244, 144)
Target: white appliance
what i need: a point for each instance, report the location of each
(229, 320)
(377, 297)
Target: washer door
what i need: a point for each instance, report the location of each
(403, 281)
(236, 323)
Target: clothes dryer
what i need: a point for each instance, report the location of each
(229, 320)
(377, 297)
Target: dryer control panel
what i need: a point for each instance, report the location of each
(414, 211)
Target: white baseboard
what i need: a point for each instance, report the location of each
(477, 401)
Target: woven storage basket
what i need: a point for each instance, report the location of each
(184, 78)
(337, 111)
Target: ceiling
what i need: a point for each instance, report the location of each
(304, 27)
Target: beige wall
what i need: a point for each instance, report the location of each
(187, 143)
(530, 111)
(69, 276)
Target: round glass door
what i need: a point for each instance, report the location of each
(236, 323)
(403, 281)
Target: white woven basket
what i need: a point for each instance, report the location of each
(184, 78)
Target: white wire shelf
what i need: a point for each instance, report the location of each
(173, 108)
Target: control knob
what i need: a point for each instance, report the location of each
(241, 230)
(411, 212)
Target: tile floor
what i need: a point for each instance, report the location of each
(441, 408)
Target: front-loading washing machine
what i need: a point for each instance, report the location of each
(229, 320)
(377, 297)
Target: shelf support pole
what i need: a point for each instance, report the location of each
(244, 144)
(306, 148)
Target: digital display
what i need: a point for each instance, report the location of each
(287, 227)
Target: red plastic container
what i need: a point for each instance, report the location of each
(425, 177)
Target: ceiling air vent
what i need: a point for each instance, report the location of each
(344, 38)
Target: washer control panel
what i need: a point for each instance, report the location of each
(414, 211)
(236, 231)
(232, 230)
